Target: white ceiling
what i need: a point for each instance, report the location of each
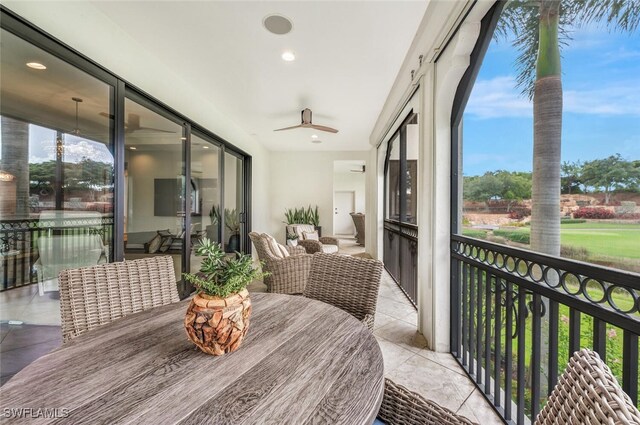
(347, 56)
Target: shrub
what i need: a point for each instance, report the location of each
(574, 252)
(572, 221)
(519, 213)
(475, 233)
(513, 235)
(628, 216)
(593, 213)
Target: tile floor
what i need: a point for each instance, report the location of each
(436, 376)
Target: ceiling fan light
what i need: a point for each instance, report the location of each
(314, 136)
(36, 65)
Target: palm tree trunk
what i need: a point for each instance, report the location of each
(547, 133)
(15, 161)
(547, 140)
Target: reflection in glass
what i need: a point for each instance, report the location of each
(205, 193)
(154, 186)
(233, 204)
(56, 169)
(393, 180)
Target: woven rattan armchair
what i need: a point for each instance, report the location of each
(287, 275)
(326, 244)
(346, 282)
(403, 407)
(588, 393)
(93, 296)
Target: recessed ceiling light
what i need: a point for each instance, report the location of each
(133, 148)
(205, 147)
(277, 24)
(36, 65)
(183, 138)
(316, 141)
(314, 136)
(288, 56)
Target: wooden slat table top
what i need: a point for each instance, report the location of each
(302, 362)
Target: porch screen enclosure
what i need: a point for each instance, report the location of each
(401, 191)
(534, 277)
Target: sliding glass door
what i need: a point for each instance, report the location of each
(154, 186)
(234, 215)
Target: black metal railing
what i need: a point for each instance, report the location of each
(400, 256)
(518, 315)
(19, 243)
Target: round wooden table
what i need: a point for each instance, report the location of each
(302, 361)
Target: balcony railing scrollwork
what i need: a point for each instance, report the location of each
(517, 315)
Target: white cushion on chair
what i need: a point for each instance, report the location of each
(276, 249)
(329, 249)
(311, 236)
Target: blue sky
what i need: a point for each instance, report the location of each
(601, 82)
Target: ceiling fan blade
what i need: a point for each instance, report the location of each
(106, 115)
(290, 128)
(323, 128)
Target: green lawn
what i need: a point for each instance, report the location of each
(600, 239)
(609, 239)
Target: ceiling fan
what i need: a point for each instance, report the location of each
(76, 130)
(133, 124)
(306, 123)
(359, 170)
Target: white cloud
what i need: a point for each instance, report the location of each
(498, 97)
(619, 98)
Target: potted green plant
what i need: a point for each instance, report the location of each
(313, 218)
(218, 315)
(232, 223)
(292, 239)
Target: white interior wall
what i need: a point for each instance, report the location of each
(300, 179)
(105, 43)
(438, 84)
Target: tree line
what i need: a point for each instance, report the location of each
(606, 175)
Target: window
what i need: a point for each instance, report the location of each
(56, 166)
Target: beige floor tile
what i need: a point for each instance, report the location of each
(393, 308)
(381, 320)
(433, 381)
(477, 409)
(393, 355)
(402, 334)
(443, 359)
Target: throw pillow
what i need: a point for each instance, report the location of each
(284, 251)
(273, 246)
(154, 244)
(312, 236)
(167, 240)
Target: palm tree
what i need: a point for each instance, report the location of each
(541, 30)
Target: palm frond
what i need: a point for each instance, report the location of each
(617, 15)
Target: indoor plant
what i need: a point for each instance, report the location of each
(232, 222)
(212, 229)
(218, 315)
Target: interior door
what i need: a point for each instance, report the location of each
(344, 204)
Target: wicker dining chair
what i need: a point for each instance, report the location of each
(403, 407)
(588, 393)
(347, 282)
(286, 275)
(96, 295)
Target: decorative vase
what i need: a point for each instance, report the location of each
(218, 325)
(234, 243)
